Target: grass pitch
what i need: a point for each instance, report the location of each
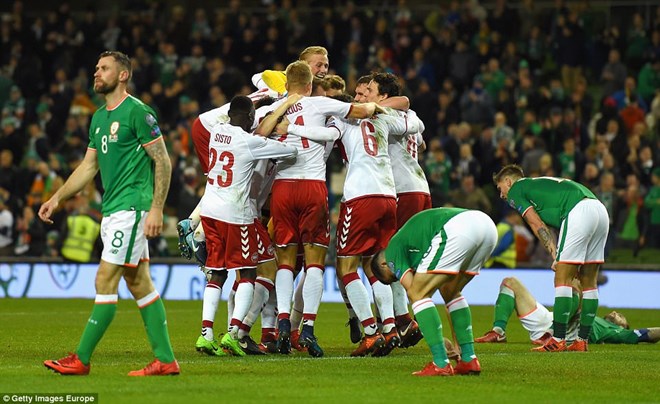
(34, 330)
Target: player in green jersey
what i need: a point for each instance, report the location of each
(537, 320)
(126, 146)
(440, 249)
(583, 224)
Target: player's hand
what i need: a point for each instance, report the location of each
(379, 110)
(47, 209)
(282, 128)
(153, 225)
(554, 266)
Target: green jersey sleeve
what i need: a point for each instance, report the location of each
(143, 120)
(517, 198)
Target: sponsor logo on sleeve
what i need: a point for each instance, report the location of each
(151, 121)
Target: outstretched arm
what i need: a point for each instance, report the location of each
(162, 174)
(83, 174)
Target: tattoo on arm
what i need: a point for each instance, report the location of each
(548, 242)
(162, 173)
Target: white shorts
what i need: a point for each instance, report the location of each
(537, 322)
(464, 244)
(124, 242)
(583, 234)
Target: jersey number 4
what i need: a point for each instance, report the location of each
(227, 160)
(305, 142)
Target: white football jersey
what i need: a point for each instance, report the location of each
(233, 154)
(311, 112)
(364, 148)
(262, 182)
(408, 174)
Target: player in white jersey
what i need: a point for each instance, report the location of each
(227, 215)
(299, 203)
(368, 213)
(275, 80)
(412, 188)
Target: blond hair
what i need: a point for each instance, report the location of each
(334, 82)
(298, 74)
(312, 50)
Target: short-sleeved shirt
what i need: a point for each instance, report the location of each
(407, 247)
(552, 198)
(603, 331)
(119, 135)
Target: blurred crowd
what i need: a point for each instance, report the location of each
(565, 90)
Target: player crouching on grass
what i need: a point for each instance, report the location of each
(440, 249)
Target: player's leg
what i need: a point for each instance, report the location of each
(461, 319)
(139, 283)
(420, 288)
(385, 305)
(103, 312)
(513, 296)
(588, 273)
(359, 298)
(311, 293)
(298, 303)
(243, 301)
(286, 259)
(353, 322)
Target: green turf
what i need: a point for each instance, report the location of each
(34, 330)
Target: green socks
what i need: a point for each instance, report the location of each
(105, 307)
(562, 311)
(504, 306)
(155, 323)
(589, 308)
(431, 326)
(461, 319)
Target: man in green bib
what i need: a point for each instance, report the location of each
(126, 146)
(440, 249)
(583, 224)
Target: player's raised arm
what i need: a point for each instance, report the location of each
(315, 133)
(400, 102)
(82, 175)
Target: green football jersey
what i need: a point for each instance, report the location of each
(603, 331)
(411, 243)
(552, 198)
(127, 171)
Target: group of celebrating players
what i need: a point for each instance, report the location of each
(264, 156)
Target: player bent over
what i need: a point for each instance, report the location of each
(440, 249)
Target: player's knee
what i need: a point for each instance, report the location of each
(511, 282)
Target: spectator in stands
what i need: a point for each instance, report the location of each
(438, 169)
(477, 107)
(571, 161)
(470, 196)
(614, 74)
(632, 114)
(606, 193)
(629, 94)
(649, 78)
(15, 106)
(652, 203)
(631, 226)
(30, 234)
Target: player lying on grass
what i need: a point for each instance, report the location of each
(537, 320)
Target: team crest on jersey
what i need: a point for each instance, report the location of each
(255, 257)
(114, 127)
